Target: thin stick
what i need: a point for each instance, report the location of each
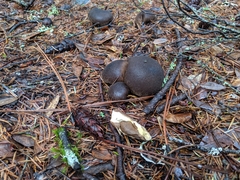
(49, 61)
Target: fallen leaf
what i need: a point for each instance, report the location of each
(159, 41)
(222, 138)
(195, 79)
(154, 131)
(96, 61)
(53, 104)
(216, 50)
(213, 86)
(236, 82)
(187, 84)
(5, 149)
(77, 69)
(124, 124)
(178, 118)
(235, 55)
(26, 141)
(102, 154)
(201, 93)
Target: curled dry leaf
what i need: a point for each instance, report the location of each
(124, 124)
(213, 86)
(178, 118)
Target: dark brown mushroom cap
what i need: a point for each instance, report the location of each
(114, 71)
(100, 17)
(144, 76)
(145, 16)
(118, 91)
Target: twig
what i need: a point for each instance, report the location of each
(19, 24)
(57, 74)
(174, 100)
(150, 107)
(120, 170)
(17, 63)
(99, 168)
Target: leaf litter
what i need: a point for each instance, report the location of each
(200, 139)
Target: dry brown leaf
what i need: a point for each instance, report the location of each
(236, 82)
(213, 86)
(96, 61)
(53, 104)
(26, 141)
(216, 50)
(154, 131)
(5, 149)
(102, 154)
(77, 69)
(235, 55)
(178, 118)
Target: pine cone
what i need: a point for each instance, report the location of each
(87, 122)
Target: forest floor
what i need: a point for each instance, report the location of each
(42, 95)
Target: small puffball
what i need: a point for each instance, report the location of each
(114, 71)
(100, 17)
(118, 91)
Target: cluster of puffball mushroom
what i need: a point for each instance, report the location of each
(139, 75)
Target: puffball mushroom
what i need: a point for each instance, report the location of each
(118, 91)
(145, 17)
(114, 71)
(143, 75)
(100, 17)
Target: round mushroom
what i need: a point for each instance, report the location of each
(118, 91)
(100, 17)
(114, 71)
(145, 17)
(47, 21)
(143, 76)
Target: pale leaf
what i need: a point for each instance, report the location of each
(53, 104)
(125, 125)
